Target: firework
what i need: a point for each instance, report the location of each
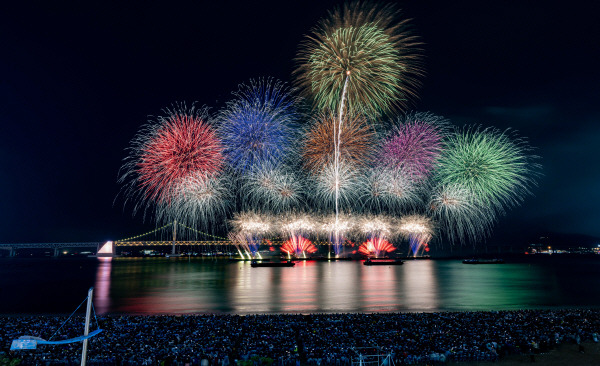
(197, 200)
(375, 226)
(298, 245)
(239, 240)
(272, 189)
(356, 142)
(330, 188)
(168, 153)
(387, 190)
(376, 246)
(377, 229)
(459, 214)
(252, 227)
(417, 229)
(492, 165)
(366, 46)
(299, 224)
(335, 227)
(414, 145)
(257, 127)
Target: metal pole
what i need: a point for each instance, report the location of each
(87, 326)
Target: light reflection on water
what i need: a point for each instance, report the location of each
(155, 286)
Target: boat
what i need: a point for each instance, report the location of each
(255, 264)
(383, 262)
(483, 261)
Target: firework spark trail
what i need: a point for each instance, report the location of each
(253, 227)
(330, 227)
(377, 229)
(258, 127)
(497, 170)
(297, 224)
(356, 142)
(171, 148)
(415, 144)
(418, 229)
(366, 42)
(329, 188)
(197, 200)
(271, 189)
(337, 159)
(298, 245)
(239, 240)
(386, 190)
(376, 246)
(169, 151)
(459, 214)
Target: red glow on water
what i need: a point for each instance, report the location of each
(376, 246)
(298, 244)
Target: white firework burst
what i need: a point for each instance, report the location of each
(272, 189)
(459, 214)
(198, 200)
(389, 190)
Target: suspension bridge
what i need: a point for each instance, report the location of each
(147, 239)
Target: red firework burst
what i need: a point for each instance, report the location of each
(298, 244)
(375, 246)
(176, 147)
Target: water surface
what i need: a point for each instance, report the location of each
(182, 285)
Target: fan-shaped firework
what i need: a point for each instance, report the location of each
(168, 151)
(496, 169)
(387, 190)
(298, 245)
(257, 127)
(272, 189)
(362, 42)
(459, 214)
(197, 200)
(414, 145)
(356, 142)
(376, 246)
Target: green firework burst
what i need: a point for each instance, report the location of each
(496, 167)
(361, 42)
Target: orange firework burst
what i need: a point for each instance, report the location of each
(356, 142)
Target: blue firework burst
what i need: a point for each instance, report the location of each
(258, 126)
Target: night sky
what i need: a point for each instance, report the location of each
(78, 81)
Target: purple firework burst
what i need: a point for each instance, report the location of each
(414, 144)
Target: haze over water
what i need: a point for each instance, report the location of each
(184, 286)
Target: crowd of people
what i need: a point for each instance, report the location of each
(296, 339)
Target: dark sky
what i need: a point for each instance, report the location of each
(77, 82)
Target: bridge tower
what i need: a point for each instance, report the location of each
(174, 236)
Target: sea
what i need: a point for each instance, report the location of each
(188, 285)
